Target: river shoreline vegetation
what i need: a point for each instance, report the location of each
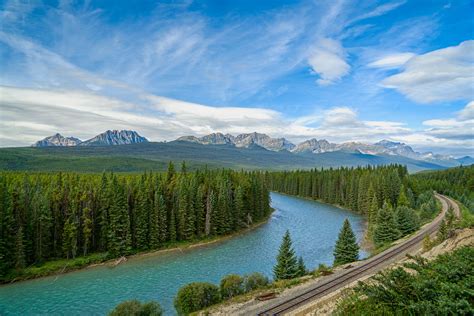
(395, 203)
(68, 215)
(392, 202)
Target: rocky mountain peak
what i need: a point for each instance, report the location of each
(57, 140)
(115, 137)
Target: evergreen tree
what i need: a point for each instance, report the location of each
(301, 267)
(287, 263)
(20, 260)
(442, 231)
(347, 249)
(406, 219)
(386, 228)
(403, 199)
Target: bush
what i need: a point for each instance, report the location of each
(196, 296)
(254, 281)
(135, 308)
(231, 285)
(440, 287)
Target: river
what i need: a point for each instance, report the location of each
(95, 291)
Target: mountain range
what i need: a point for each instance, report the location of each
(314, 146)
(106, 138)
(217, 150)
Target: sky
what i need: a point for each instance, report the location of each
(337, 70)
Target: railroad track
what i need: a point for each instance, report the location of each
(357, 272)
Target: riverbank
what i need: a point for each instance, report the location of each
(63, 266)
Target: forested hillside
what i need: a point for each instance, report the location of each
(64, 215)
(386, 195)
(456, 182)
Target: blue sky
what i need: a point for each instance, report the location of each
(338, 70)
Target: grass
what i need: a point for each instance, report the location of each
(54, 267)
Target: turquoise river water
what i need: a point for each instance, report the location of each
(95, 291)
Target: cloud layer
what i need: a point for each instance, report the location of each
(31, 114)
(441, 75)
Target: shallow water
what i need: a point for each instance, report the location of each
(313, 226)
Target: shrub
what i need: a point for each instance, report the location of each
(135, 308)
(196, 296)
(254, 281)
(231, 285)
(440, 287)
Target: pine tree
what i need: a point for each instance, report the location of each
(402, 198)
(406, 219)
(386, 228)
(20, 260)
(347, 249)
(7, 229)
(442, 231)
(301, 267)
(287, 263)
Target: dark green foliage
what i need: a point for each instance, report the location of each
(407, 220)
(362, 190)
(196, 296)
(231, 285)
(347, 249)
(442, 231)
(287, 263)
(457, 183)
(136, 308)
(52, 216)
(301, 267)
(254, 281)
(440, 287)
(386, 228)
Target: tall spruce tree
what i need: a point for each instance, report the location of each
(347, 249)
(301, 267)
(386, 228)
(406, 219)
(287, 263)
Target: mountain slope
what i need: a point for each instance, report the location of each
(115, 137)
(57, 140)
(154, 156)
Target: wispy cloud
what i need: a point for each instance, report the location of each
(328, 61)
(440, 75)
(392, 60)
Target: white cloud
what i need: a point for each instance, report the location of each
(441, 75)
(328, 60)
(458, 129)
(380, 10)
(392, 61)
(467, 113)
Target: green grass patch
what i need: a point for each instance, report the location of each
(54, 267)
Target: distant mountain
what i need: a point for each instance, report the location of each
(314, 146)
(107, 138)
(115, 137)
(156, 155)
(315, 152)
(211, 139)
(466, 160)
(57, 140)
(263, 140)
(242, 140)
